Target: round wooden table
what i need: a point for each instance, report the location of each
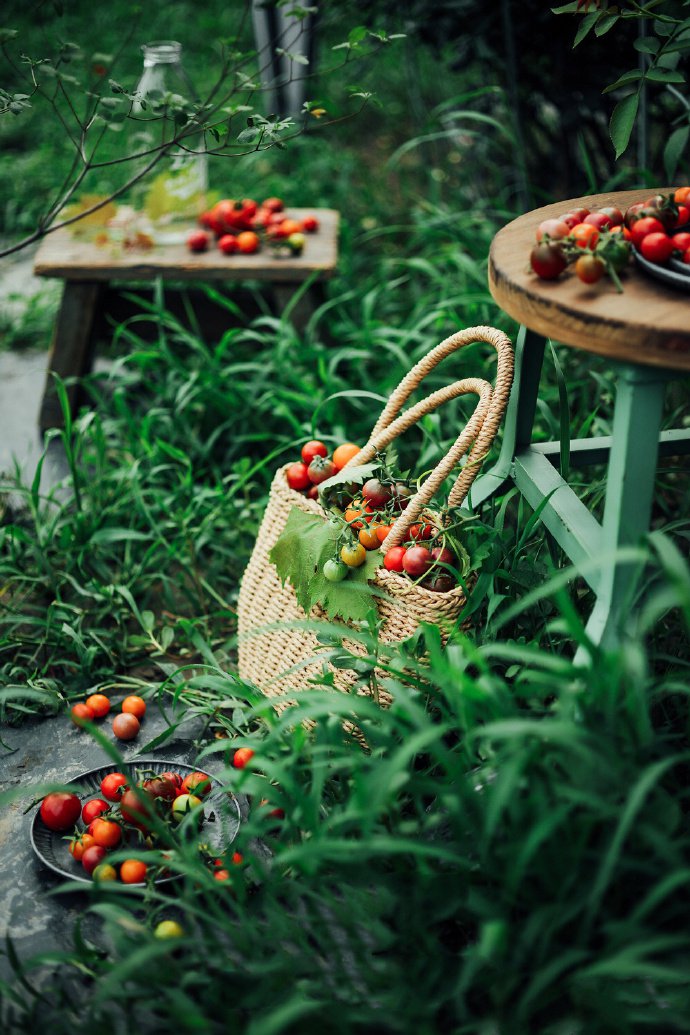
(645, 333)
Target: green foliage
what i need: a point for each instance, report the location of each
(305, 544)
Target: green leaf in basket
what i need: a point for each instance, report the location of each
(306, 543)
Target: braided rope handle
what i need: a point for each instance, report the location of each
(479, 431)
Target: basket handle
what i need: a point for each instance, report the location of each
(480, 429)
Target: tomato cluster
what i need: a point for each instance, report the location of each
(366, 516)
(126, 725)
(242, 226)
(142, 816)
(600, 242)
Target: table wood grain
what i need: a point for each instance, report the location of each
(64, 255)
(648, 323)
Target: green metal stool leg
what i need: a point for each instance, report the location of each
(629, 494)
(519, 418)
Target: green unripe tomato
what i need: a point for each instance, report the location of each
(104, 872)
(183, 804)
(168, 929)
(335, 571)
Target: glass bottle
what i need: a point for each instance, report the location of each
(174, 193)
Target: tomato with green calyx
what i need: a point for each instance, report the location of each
(60, 810)
(79, 844)
(353, 555)
(184, 804)
(368, 538)
(376, 493)
(584, 235)
(106, 832)
(334, 570)
(320, 469)
(113, 786)
(197, 783)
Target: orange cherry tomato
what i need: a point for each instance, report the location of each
(344, 453)
(682, 196)
(241, 757)
(134, 705)
(248, 242)
(585, 235)
(106, 833)
(99, 704)
(369, 539)
(133, 871)
(382, 532)
(78, 845)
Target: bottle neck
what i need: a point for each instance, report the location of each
(162, 52)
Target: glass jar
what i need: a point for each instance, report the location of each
(175, 193)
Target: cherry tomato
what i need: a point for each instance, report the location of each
(134, 705)
(248, 242)
(197, 783)
(297, 476)
(590, 268)
(402, 494)
(599, 220)
(681, 241)
(79, 844)
(417, 561)
(368, 538)
(99, 704)
(92, 809)
(614, 214)
(126, 726)
(313, 492)
(133, 871)
(443, 555)
(228, 244)
(104, 872)
(184, 804)
(310, 224)
(580, 213)
(312, 449)
(686, 257)
(198, 241)
(382, 532)
(136, 807)
(657, 247)
(92, 857)
(344, 453)
(393, 560)
(683, 216)
(242, 756)
(644, 226)
(168, 929)
(335, 571)
(81, 713)
(174, 778)
(221, 875)
(547, 261)
(555, 229)
(161, 787)
(632, 213)
(439, 582)
(113, 785)
(353, 554)
(60, 810)
(353, 513)
(106, 832)
(320, 469)
(424, 531)
(273, 204)
(376, 493)
(237, 859)
(584, 235)
(682, 196)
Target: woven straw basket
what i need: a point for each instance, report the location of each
(275, 653)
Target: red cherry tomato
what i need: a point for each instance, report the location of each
(614, 214)
(92, 809)
(297, 476)
(375, 493)
(657, 247)
(312, 449)
(320, 470)
(642, 227)
(60, 810)
(417, 561)
(81, 713)
(681, 241)
(547, 261)
(99, 704)
(93, 857)
(683, 216)
(228, 244)
(393, 560)
(198, 241)
(599, 220)
(273, 204)
(310, 224)
(113, 786)
(241, 757)
(197, 783)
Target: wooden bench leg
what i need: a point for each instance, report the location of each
(71, 352)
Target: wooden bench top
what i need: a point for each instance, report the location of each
(65, 256)
(649, 323)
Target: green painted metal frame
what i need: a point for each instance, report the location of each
(632, 452)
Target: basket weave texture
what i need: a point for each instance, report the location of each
(279, 656)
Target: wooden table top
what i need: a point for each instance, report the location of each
(63, 255)
(648, 323)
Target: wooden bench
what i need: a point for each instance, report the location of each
(95, 275)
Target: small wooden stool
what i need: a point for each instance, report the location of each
(645, 334)
(94, 277)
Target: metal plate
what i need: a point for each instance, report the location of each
(676, 274)
(221, 816)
